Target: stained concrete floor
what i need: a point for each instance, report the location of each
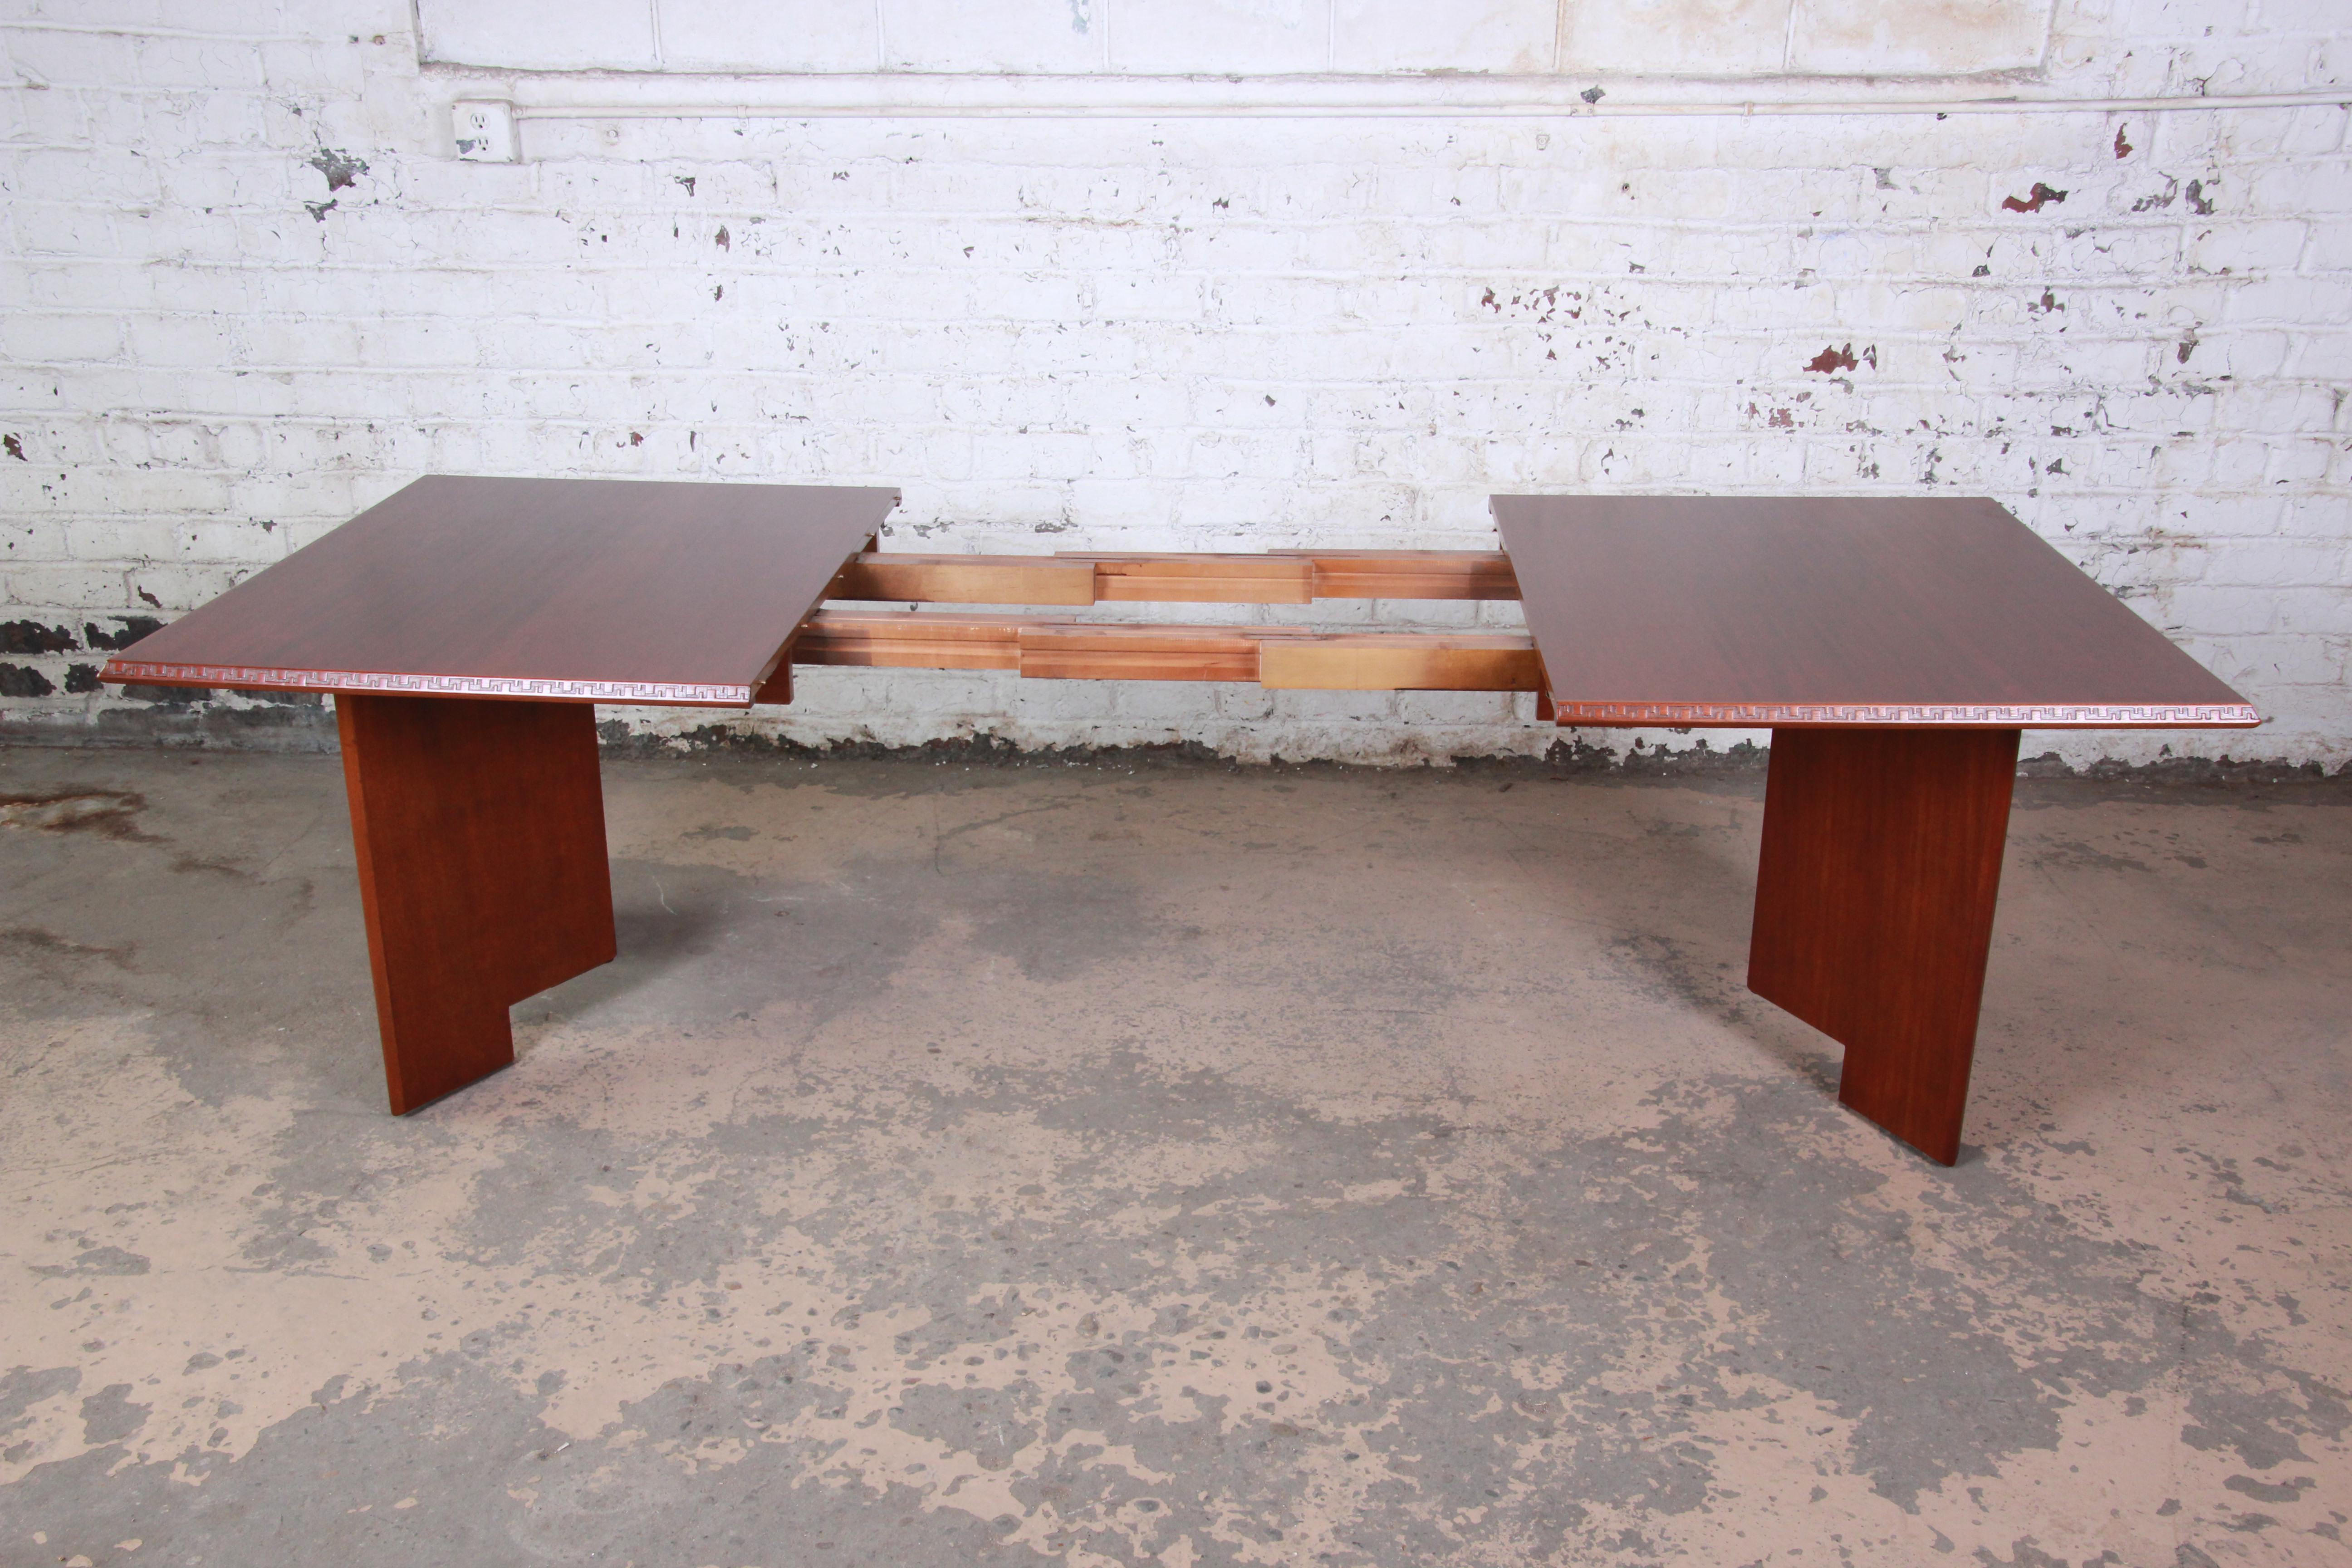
(1175, 1166)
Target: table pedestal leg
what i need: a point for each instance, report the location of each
(1873, 909)
(480, 831)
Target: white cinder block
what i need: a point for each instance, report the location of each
(1940, 37)
(1054, 36)
(768, 36)
(582, 35)
(1162, 38)
(1513, 37)
(1669, 38)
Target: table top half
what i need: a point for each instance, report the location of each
(1752, 612)
(585, 590)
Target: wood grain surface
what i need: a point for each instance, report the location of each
(480, 832)
(1873, 909)
(581, 589)
(1279, 577)
(1783, 611)
(1045, 648)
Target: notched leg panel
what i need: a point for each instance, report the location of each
(1873, 909)
(480, 831)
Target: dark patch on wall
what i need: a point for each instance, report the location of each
(2123, 148)
(2186, 771)
(2198, 202)
(1593, 94)
(1571, 755)
(24, 680)
(1832, 360)
(722, 239)
(319, 210)
(211, 726)
(82, 677)
(2043, 195)
(31, 636)
(616, 738)
(340, 168)
(14, 447)
(132, 627)
(180, 695)
(1565, 758)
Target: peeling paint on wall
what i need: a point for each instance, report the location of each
(1190, 336)
(2041, 195)
(340, 169)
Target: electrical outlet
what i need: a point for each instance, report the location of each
(485, 130)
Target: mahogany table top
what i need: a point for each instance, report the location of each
(588, 590)
(1752, 611)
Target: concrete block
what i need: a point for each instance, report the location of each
(1508, 37)
(617, 35)
(1687, 38)
(1036, 36)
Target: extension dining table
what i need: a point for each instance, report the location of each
(467, 628)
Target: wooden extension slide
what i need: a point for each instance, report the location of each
(1066, 649)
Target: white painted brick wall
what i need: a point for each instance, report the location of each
(1242, 334)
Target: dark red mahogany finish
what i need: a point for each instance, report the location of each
(581, 590)
(1873, 909)
(1752, 611)
(1895, 648)
(480, 832)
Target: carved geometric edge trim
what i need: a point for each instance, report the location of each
(2047, 716)
(1693, 715)
(139, 670)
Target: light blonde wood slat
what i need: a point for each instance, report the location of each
(908, 639)
(1284, 658)
(1201, 579)
(1138, 653)
(966, 579)
(1400, 662)
(1279, 577)
(1411, 573)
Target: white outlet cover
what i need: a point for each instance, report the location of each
(485, 131)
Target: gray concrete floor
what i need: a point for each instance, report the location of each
(1097, 1165)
